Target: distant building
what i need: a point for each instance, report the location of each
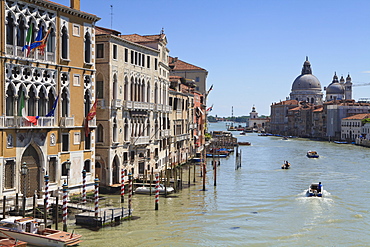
(256, 123)
(338, 90)
(279, 116)
(352, 126)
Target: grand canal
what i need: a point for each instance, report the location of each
(259, 204)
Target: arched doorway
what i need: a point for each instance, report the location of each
(31, 182)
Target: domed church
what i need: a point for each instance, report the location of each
(307, 87)
(338, 90)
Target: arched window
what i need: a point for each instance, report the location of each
(87, 48)
(148, 93)
(125, 88)
(115, 127)
(64, 43)
(87, 165)
(32, 103)
(126, 130)
(87, 103)
(99, 131)
(9, 30)
(42, 103)
(50, 44)
(10, 102)
(115, 87)
(156, 94)
(51, 101)
(132, 89)
(21, 30)
(65, 103)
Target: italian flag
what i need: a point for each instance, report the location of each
(22, 112)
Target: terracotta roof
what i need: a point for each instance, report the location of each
(358, 116)
(177, 64)
(136, 38)
(103, 30)
(295, 109)
(287, 102)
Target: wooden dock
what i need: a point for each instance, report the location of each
(106, 216)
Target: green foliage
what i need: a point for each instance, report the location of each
(365, 120)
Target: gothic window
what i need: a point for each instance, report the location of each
(148, 93)
(64, 169)
(99, 131)
(50, 102)
(126, 131)
(50, 44)
(21, 30)
(87, 48)
(9, 174)
(125, 93)
(156, 94)
(32, 103)
(10, 102)
(87, 103)
(65, 103)
(64, 43)
(115, 129)
(9, 30)
(115, 86)
(100, 88)
(42, 103)
(132, 89)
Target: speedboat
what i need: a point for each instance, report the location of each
(244, 143)
(162, 189)
(29, 230)
(312, 154)
(314, 190)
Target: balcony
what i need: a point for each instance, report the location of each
(165, 133)
(7, 121)
(141, 140)
(92, 123)
(16, 51)
(20, 122)
(141, 105)
(66, 122)
(181, 137)
(116, 103)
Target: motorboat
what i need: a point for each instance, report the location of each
(216, 155)
(29, 230)
(314, 190)
(312, 154)
(285, 138)
(145, 189)
(244, 143)
(286, 165)
(10, 242)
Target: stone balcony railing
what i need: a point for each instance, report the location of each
(16, 51)
(20, 122)
(66, 122)
(140, 140)
(116, 103)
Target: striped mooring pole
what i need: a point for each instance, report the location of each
(65, 195)
(46, 177)
(96, 180)
(156, 190)
(122, 185)
(129, 193)
(84, 186)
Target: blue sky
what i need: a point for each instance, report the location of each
(253, 50)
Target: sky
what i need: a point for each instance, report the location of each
(252, 49)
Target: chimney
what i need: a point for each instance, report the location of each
(75, 4)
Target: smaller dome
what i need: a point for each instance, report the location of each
(335, 88)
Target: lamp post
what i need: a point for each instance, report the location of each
(24, 172)
(68, 167)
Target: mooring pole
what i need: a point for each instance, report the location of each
(204, 176)
(122, 185)
(129, 193)
(84, 186)
(4, 206)
(65, 211)
(46, 177)
(215, 174)
(56, 211)
(96, 180)
(156, 190)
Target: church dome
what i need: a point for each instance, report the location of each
(335, 88)
(306, 82)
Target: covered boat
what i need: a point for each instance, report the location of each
(162, 189)
(244, 143)
(315, 190)
(29, 230)
(312, 154)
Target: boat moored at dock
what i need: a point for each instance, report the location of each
(151, 189)
(29, 230)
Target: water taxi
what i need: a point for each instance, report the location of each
(312, 154)
(315, 190)
(29, 230)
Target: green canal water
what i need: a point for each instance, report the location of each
(259, 204)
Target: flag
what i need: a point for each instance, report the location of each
(39, 42)
(28, 38)
(210, 108)
(52, 110)
(22, 111)
(209, 90)
(90, 116)
(43, 42)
